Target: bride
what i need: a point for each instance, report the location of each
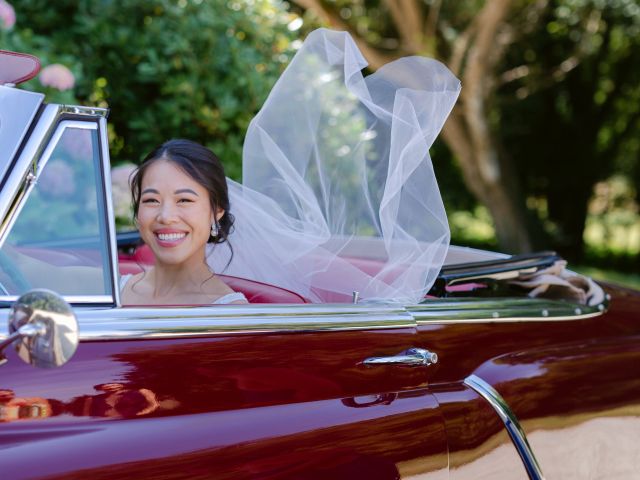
(180, 205)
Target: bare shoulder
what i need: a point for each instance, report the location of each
(133, 279)
(216, 287)
(131, 291)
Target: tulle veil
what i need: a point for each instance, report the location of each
(339, 193)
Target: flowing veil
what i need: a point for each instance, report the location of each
(338, 192)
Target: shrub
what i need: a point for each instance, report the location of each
(165, 68)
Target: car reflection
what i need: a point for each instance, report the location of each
(112, 400)
(18, 408)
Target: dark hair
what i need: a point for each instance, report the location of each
(203, 166)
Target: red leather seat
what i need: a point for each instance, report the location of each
(64, 257)
(256, 292)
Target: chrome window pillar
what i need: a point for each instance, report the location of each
(129, 323)
(105, 162)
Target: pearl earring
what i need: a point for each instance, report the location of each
(214, 229)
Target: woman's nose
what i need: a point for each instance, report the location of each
(166, 214)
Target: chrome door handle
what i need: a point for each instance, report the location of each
(413, 356)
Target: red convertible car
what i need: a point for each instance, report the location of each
(479, 380)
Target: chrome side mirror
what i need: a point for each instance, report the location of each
(42, 328)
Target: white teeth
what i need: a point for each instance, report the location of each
(168, 237)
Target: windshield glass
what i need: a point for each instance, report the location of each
(59, 239)
(17, 110)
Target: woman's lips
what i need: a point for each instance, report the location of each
(170, 239)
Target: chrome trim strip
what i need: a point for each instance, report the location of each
(451, 321)
(81, 110)
(140, 323)
(472, 303)
(101, 322)
(131, 323)
(15, 186)
(83, 125)
(511, 423)
(108, 200)
(505, 310)
(77, 300)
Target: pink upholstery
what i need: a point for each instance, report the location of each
(64, 257)
(256, 292)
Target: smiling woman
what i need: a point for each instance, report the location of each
(180, 204)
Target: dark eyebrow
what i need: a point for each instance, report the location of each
(185, 190)
(149, 190)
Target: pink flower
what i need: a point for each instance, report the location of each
(121, 193)
(7, 15)
(57, 76)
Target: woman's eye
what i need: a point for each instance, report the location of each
(149, 200)
(185, 200)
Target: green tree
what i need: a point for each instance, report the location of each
(570, 117)
(471, 37)
(165, 68)
(549, 103)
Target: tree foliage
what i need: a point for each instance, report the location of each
(549, 104)
(570, 116)
(165, 68)
(470, 37)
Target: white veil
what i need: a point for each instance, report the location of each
(339, 193)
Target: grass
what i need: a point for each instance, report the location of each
(631, 280)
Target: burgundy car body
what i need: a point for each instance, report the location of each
(282, 388)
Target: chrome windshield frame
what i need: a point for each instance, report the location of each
(19, 179)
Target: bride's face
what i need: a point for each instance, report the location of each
(175, 214)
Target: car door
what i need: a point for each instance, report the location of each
(226, 391)
(268, 391)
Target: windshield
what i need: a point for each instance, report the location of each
(17, 110)
(59, 239)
